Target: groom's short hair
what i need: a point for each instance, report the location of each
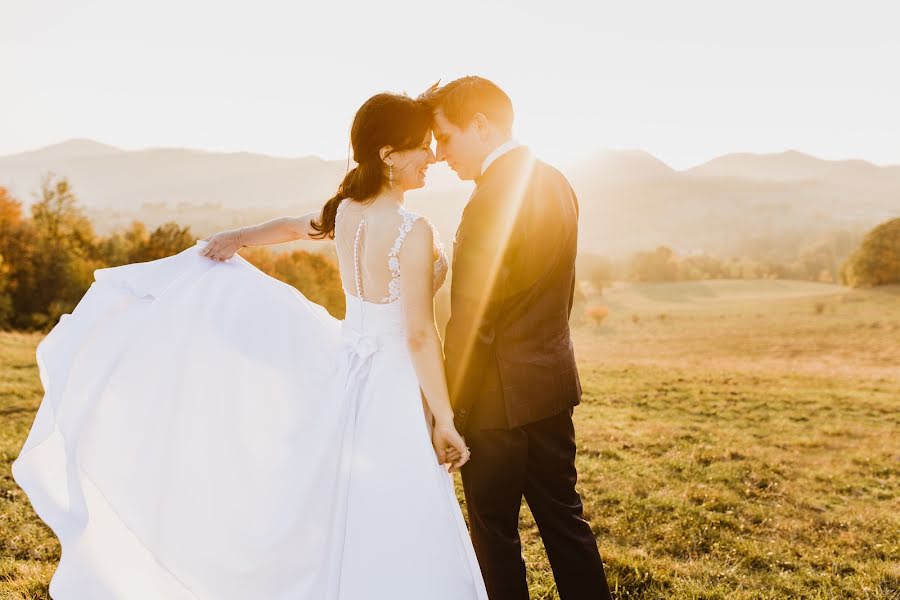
(460, 99)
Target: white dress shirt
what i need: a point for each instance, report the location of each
(497, 153)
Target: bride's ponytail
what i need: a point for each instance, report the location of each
(324, 225)
(361, 182)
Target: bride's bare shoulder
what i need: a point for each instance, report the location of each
(419, 240)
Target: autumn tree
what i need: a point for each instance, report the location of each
(658, 265)
(16, 248)
(314, 274)
(63, 261)
(166, 240)
(122, 247)
(6, 304)
(877, 260)
(701, 266)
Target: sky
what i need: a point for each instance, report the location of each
(685, 81)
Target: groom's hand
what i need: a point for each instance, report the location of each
(450, 447)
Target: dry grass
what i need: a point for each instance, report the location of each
(735, 442)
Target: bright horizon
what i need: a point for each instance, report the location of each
(686, 82)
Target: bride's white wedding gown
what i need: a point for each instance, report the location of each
(209, 433)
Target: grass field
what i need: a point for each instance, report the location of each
(737, 440)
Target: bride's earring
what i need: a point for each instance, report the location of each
(391, 176)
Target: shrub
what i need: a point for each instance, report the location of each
(877, 260)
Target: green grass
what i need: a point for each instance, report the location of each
(28, 549)
(736, 440)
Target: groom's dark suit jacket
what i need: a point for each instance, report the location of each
(509, 354)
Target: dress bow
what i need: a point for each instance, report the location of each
(364, 345)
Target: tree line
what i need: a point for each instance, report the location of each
(48, 257)
(833, 259)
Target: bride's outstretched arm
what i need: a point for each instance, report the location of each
(223, 245)
(417, 298)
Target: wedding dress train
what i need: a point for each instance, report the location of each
(207, 432)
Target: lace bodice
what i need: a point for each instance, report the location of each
(441, 264)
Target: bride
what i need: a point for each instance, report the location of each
(209, 433)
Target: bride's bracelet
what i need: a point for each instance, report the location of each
(241, 237)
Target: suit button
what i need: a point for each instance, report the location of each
(486, 335)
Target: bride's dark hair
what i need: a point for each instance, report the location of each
(394, 120)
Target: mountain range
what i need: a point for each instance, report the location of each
(629, 199)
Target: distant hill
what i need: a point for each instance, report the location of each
(732, 203)
(69, 150)
(796, 166)
(629, 199)
(623, 167)
(107, 176)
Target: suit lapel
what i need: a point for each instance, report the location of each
(481, 203)
(462, 220)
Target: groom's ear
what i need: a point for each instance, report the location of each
(384, 153)
(482, 125)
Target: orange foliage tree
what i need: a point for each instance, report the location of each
(877, 260)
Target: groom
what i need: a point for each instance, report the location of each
(509, 357)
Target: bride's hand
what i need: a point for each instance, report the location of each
(223, 245)
(449, 446)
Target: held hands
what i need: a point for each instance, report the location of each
(449, 446)
(222, 246)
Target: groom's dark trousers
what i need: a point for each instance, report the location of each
(512, 375)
